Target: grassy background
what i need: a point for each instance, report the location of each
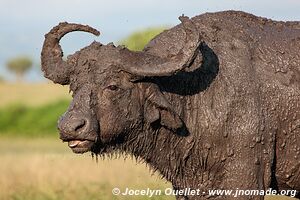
(31, 94)
(23, 120)
(39, 169)
(31, 110)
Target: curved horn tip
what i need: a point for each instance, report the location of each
(94, 31)
(64, 27)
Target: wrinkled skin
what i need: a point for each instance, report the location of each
(213, 103)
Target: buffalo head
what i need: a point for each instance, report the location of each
(110, 98)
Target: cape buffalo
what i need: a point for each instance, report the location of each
(212, 103)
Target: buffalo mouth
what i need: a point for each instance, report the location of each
(80, 145)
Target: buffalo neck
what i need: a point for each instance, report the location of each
(163, 151)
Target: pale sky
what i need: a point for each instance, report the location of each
(24, 23)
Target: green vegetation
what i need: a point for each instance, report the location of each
(136, 41)
(22, 120)
(30, 110)
(19, 66)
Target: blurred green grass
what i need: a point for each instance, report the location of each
(23, 120)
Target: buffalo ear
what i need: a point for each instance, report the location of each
(158, 110)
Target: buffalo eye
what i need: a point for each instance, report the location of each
(112, 87)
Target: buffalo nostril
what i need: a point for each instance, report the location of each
(80, 125)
